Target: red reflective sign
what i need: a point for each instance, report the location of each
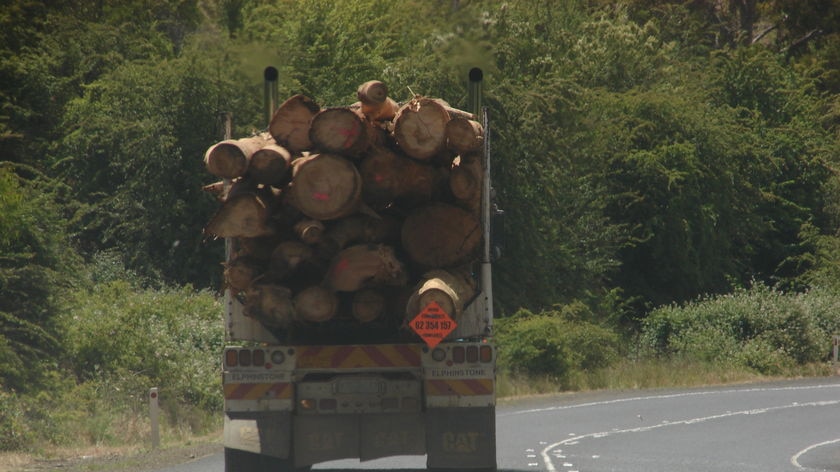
(433, 324)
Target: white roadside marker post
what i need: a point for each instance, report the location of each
(154, 415)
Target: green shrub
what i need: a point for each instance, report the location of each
(761, 328)
(551, 345)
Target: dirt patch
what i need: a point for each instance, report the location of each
(113, 459)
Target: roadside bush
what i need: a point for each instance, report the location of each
(121, 341)
(553, 345)
(762, 329)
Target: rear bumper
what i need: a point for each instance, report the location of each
(450, 437)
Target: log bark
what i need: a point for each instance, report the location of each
(270, 165)
(290, 123)
(451, 289)
(270, 304)
(466, 180)
(316, 304)
(362, 266)
(325, 186)
(388, 177)
(441, 235)
(229, 159)
(342, 131)
(243, 215)
(419, 128)
(368, 305)
(464, 136)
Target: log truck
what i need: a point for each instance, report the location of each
(316, 391)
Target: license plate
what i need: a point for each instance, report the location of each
(358, 386)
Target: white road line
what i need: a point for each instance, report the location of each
(574, 440)
(667, 396)
(795, 458)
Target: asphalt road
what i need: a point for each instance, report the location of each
(786, 426)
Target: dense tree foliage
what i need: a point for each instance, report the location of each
(644, 152)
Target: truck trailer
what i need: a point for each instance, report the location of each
(338, 351)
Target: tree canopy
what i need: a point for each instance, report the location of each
(644, 152)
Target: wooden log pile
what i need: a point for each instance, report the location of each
(357, 215)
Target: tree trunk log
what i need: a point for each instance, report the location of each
(241, 272)
(465, 181)
(363, 266)
(441, 235)
(388, 177)
(242, 215)
(270, 304)
(316, 304)
(290, 123)
(368, 305)
(342, 131)
(464, 136)
(363, 229)
(270, 165)
(325, 186)
(451, 289)
(420, 128)
(229, 159)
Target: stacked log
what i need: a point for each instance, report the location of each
(358, 215)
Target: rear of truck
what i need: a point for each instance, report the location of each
(289, 407)
(295, 401)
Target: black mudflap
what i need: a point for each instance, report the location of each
(461, 438)
(321, 438)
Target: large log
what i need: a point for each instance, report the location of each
(341, 130)
(464, 136)
(270, 165)
(315, 304)
(325, 186)
(290, 123)
(388, 177)
(229, 159)
(465, 181)
(441, 235)
(451, 289)
(243, 215)
(270, 304)
(420, 128)
(365, 265)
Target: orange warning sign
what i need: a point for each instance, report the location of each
(433, 324)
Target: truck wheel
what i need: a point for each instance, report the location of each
(243, 461)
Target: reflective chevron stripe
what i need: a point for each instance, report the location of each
(255, 391)
(353, 357)
(459, 387)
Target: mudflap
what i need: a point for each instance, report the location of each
(269, 434)
(322, 438)
(461, 438)
(392, 435)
